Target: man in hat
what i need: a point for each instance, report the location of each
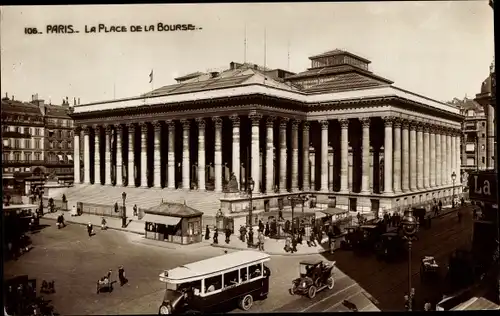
(90, 229)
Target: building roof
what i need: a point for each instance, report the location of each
(18, 107)
(57, 111)
(336, 52)
(174, 210)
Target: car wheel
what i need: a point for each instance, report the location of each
(317, 282)
(293, 290)
(246, 302)
(165, 309)
(312, 292)
(330, 282)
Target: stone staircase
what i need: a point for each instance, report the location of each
(144, 198)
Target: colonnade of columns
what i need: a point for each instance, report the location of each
(417, 156)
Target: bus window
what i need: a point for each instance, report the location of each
(195, 286)
(213, 284)
(230, 278)
(243, 274)
(255, 270)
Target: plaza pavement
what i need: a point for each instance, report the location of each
(75, 261)
(271, 246)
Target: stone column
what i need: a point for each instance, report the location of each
(457, 156)
(269, 155)
(344, 156)
(131, 164)
(331, 159)
(420, 157)
(448, 157)
(312, 163)
(255, 155)
(236, 147)
(119, 155)
(453, 154)
(306, 179)
(144, 155)
(413, 157)
(433, 152)
(86, 155)
(365, 178)
(218, 153)
(463, 139)
(324, 156)
(157, 155)
(427, 157)
(97, 155)
(439, 164)
(397, 156)
(171, 155)
(283, 154)
(76, 155)
(186, 185)
(295, 156)
(405, 166)
(201, 154)
(443, 166)
(388, 155)
(107, 156)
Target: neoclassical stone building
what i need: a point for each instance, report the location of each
(334, 130)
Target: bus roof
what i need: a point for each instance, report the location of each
(13, 207)
(213, 265)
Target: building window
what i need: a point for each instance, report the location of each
(18, 129)
(37, 132)
(482, 147)
(37, 144)
(17, 156)
(69, 144)
(37, 156)
(27, 143)
(6, 157)
(27, 157)
(26, 130)
(51, 143)
(482, 135)
(483, 124)
(483, 159)
(17, 143)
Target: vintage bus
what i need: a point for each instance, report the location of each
(216, 284)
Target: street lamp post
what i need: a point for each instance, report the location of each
(124, 214)
(453, 178)
(409, 225)
(292, 200)
(251, 186)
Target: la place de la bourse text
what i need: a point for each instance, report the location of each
(103, 28)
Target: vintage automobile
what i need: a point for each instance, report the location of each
(352, 237)
(429, 268)
(390, 246)
(315, 276)
(369, 236)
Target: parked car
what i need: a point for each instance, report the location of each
(391, 246)
(314, 276)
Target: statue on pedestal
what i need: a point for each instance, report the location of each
(233, 186)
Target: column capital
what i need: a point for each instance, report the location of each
(143, 126)
(119, 127)
(295, 124)
(86, 129)
(131, 127)
(77, 129)
(405, 124)
(283, 122)
(365, 121)
(397, 122)
(270, 121)
(217, 121)
(201, 122)
(427, 128)
(235, 118)
(388, 121)
(171, 125)
(419, 126)
(412, 125)
(324, 124)
(306, 125)
(96, 127)
(186, 124)
(108, 128)
(344, 123)
(255, 117)
(157, 125)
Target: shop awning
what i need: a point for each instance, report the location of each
(160, 219)
(334, 211)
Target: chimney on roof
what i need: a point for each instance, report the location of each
(78, 101)
(74, 100)
(67, 100)
(255, 66)
(214, 74)
(63, 101)
(12, 97)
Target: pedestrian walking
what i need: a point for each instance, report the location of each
(90, 229)
(288, 243)
(462, 202)
(250, 238)
(228, 235)
(103, 224)
(135, 210)
(266, 230)
(440, 205)
(243, 233)
(121, 276)
(207, 233)
(261, 241)
(216, 236)
(261, 226)
(116, 207)
(294, 244)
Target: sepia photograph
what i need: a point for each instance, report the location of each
(249, 158)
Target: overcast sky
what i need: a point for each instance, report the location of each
(439, 49)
